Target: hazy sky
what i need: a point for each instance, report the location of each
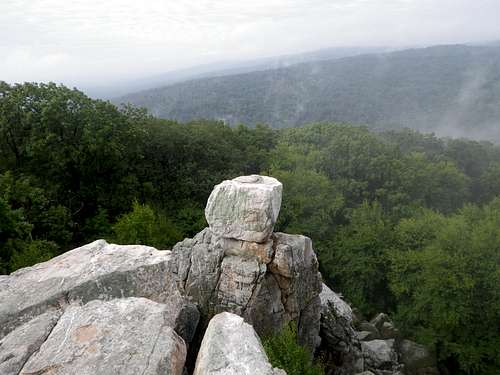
(87, 41)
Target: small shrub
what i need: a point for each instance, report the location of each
(285, 353)
(143, 226)
(32, 253)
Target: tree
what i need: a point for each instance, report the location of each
(145, 227)
(356, 260)
(447, 287)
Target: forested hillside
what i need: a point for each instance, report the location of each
(403, 222)
(222, 68)
(452, 90)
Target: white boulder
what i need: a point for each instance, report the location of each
(245, 208)
(231, 347)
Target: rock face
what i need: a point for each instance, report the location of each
(330, 299)
(339, 341)
(385, 353)
(125, 336)
(418, 360)
(94, 271)
(72, 313)
(33, 298)
(379, 355)
(231, 347)
(18, 346)
(270, 285)
(245, 208)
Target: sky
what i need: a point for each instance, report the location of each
(85, 42)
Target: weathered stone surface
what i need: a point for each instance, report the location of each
(196, 267)
(339, 341)
(379, 355)
(388, 331)
(122, 336)
(295, 267)
(239, 278)
(366, 336)
(262, 251)
(266, 295)
(94, 271)
(18, 346)
(266, 310)
(245, 208)
(418, 360)
(379, 320)
(365, 326)
(330, 298)
(231, 347)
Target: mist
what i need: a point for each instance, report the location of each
(88, 43)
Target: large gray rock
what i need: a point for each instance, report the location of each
(379, 320)
(418, 360)
(365, 326)
(267, 290)
(94, 271)
(18, 346)
(388, 331)
(122, 336)
(330, 299)
(366, 336)
(245, 208)
(231, 347)
(339, 341)
(295, 268)
(379, 355)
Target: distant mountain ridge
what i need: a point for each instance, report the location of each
(452, 90)
(224, 68)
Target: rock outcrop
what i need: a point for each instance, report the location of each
(94, 271)
(340, 346)
(34, 299)
(105, 308)
(350, 346)
(417, 359)
(380, 356)
(269, 284)
(231, 346)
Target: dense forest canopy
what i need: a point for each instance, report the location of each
(403, 222)
(453, 90)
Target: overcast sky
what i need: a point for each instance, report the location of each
(82, 42)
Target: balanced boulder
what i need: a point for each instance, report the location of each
(245, 208)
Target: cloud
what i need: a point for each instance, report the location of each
(85, 41)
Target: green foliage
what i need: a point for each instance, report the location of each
(446, 283)
(419, 88)
(356, 259)
(98, 226)
(14, 231)
(285, 353)
(144, 226)
(32, 253)
(310, 203)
